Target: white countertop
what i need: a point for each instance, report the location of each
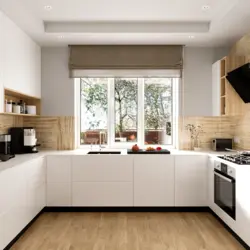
(20, 159)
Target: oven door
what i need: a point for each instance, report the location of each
(224, 192)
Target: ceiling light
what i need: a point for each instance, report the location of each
(191, 37)
(48, 7)
(205, 7)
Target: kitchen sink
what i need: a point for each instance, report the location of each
(104, 152)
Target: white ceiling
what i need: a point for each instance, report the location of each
(131, 21)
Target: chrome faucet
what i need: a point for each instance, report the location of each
(100, 140)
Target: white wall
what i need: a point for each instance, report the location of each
(57, 87)
(20, 60)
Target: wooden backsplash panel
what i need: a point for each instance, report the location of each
(53, 132)
(213, 127)
(8, 121)
(242, 130)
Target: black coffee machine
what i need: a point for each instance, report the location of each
(23, 140)
(5, 147)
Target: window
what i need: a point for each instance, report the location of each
(121, 111)
(158, 111)
(94, 110)
(126, 109)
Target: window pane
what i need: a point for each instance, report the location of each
(94, 110)
(125, 110)
(158, 111)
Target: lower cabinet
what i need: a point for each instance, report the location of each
(36, 187)
(190, 180)
(58, 181)
(102, 194)
(58, 194)
(1, 232)
(243, 203)
(210, 182)
(153, 180)
(22, 199)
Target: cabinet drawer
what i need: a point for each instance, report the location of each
(102, 194)
(59, 168)
(102, 168)
(58, 194)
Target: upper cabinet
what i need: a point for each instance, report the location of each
(226, 101)
(20, 61)
(216, 90)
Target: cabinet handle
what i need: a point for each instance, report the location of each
(223, 177)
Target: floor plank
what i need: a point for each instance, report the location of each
(126, 231)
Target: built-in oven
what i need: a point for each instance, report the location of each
(225, 188)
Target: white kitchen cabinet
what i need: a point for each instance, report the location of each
(22, 196)
(102, 168)
(36, 186)
(58, 181)
(102, 194)
(14, 216)
(154, 180)
(58, 168)
(1, 232)
(58, 194)
(21, 73)
(210, 182)
(243, 203)
(191, 180)
(216, 88)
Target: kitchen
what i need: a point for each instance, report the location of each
(37, 188)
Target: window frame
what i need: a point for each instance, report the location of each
(175, 82)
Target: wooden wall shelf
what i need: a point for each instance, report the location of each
(17, 96)
(223, 88)
(14, 114)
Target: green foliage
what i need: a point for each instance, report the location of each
(125, 103)
(157, 106)
(157, 102)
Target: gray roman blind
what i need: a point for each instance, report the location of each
(84, 57)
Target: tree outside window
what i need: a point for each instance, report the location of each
(157, 110)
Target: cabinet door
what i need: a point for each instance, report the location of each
(102, 168)
(59, 168)
(15, 215)
(1, 229)
(36, 175)
(242, 204)
(210, 183)
(154, 180)
(102, 194)
(216, 88)
(58, 194)
(191, 180)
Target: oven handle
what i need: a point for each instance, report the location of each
(223, 177)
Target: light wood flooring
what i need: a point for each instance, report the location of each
(126, 231)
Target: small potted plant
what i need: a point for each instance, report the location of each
(195, 131)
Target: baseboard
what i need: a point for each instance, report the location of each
(236, 236)
(23, 231)
(126, 209)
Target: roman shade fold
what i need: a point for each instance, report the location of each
(125, 57)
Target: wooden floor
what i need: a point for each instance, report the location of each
(126, 231)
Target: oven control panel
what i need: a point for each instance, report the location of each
(224, 168)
